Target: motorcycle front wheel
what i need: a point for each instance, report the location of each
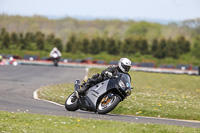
(108, 103)
(71, 104)
(55, 63)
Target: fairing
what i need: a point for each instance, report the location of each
(89, 102)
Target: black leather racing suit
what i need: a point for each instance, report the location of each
(98, 78)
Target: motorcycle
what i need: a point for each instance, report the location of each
(55, 59)
(102, 97)
(13, 61)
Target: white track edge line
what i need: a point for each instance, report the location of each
(35, 95)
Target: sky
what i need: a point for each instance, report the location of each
(171, 10)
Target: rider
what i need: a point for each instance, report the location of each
(55, 50)
(123, 66)
(1, 58)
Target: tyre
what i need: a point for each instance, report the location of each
(71, 105)
(55, 63)
(108, 103)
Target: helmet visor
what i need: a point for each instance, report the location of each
(126, 67)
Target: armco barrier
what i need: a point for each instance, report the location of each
(85, 65)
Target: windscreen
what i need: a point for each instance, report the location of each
(125, 77)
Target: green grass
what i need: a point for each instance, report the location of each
(155, 95)
(34, 123)
(163, 95)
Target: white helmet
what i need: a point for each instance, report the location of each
(11, 58)
(55, 49)
(124, 64)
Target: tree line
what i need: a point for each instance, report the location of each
(159, 48)
(63, 27)
(29, 41)
(95, 44)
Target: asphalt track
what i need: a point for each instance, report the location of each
(17, 85)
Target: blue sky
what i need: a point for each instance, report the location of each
(175, 10)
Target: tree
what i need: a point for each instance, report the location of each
(183, 44)
(50, 38)
(5, 40)
(103, 45)
(14, 40)
(22, 41)
(163, 46)
(14, 37)
(155, 48)
(3, 31)
(31, 41)
(196, 48)
(128, 45)
(112, 46)
(143, 47)
(58, 43)
(85, 45)
(94, 46)
(28, 37)
(71, 44)
(158, 49)
(172, 49)
(39, 40)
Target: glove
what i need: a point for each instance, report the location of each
(108, 74)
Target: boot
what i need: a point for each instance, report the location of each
(83, 88)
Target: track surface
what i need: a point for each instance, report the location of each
(17, 85)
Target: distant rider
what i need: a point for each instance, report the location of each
(2, 60)
(55, 51)
(123, 66)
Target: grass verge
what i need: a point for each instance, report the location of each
(23, 122)
(155, 95)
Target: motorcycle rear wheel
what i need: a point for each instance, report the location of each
(55, 63)
(71, 105)
(107, 103)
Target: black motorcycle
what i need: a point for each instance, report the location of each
(55, 58)
(102, 97)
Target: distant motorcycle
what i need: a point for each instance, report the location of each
(13, 61)
(102, 97)
(55, 58)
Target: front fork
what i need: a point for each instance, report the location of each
(77, 85)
